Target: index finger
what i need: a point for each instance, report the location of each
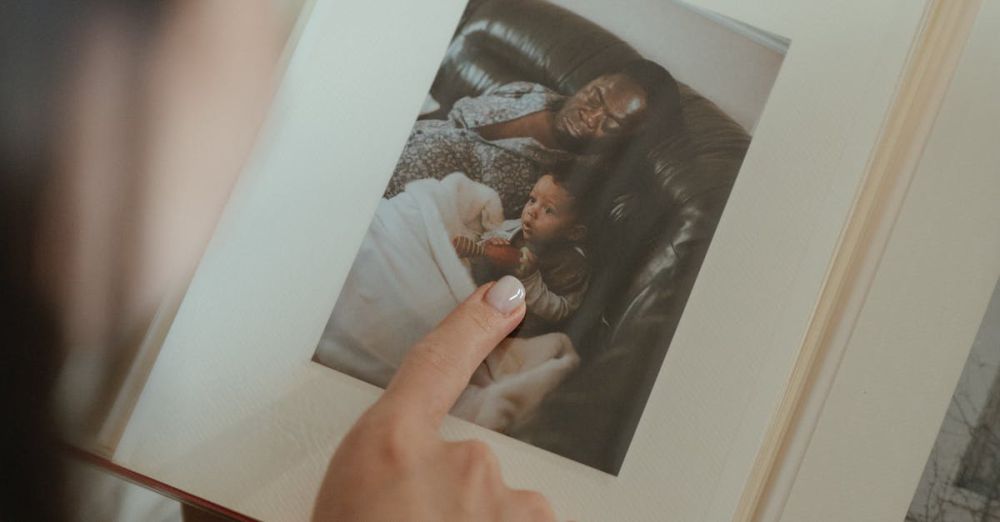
(439, 367)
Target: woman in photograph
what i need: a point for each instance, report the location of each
(507, 137)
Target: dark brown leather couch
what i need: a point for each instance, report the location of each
(654, 220)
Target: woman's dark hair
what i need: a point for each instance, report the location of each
(663, 99)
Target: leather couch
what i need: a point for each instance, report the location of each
(655, 218)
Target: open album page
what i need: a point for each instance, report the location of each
(668, 179)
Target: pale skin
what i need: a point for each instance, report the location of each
(394, 464)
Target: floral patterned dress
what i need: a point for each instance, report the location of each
(510, 166)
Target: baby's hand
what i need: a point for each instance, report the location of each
(528, 263)
(497, 241)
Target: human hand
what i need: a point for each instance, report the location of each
(527, 264)
(497, 241)
(394, 465)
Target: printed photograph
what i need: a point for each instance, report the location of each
(588, 149)
(961, 480)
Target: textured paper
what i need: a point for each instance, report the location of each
(234, 409)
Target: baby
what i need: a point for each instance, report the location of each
(543, 249)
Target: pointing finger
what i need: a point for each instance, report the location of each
(439, 367)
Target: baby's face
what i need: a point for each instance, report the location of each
(549, 214)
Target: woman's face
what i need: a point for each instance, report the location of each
(603, 111)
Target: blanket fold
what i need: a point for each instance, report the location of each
(407, 277)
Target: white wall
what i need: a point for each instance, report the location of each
(726, 66)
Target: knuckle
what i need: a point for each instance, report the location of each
(437, 358)
(478, 460)
(388, 437)
(485, 321)
(478, 451)
(395, 450)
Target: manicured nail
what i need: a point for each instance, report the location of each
(506, 295)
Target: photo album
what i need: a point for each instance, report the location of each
(749, 234)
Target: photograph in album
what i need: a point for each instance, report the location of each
(586, 152)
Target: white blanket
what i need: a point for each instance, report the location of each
(407, 278)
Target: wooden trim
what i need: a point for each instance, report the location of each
(935, 54)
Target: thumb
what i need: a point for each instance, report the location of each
(439, 367)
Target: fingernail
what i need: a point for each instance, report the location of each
(506, 295)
